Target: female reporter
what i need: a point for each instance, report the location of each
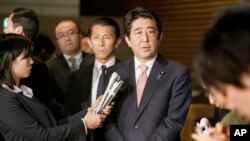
(22, 117)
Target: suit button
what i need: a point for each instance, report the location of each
(136, 126)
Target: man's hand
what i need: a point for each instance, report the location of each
(92, 120)
(219, 133)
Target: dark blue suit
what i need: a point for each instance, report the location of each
(163, 107)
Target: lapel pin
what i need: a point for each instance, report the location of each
(162, 72)
(158, 77)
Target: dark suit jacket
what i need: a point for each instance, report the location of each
(163, 107)
(39, 80)
(79, 88)
(25, 119)
(41, 84)
(79, 96)
(60, 72)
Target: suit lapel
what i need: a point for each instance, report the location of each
(154, 80)
(129, 70)
(87, 82)
(32, 105)
(64, 63)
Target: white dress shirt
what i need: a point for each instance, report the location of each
(97, 71)
(26, 90)
(149, 64)
(78, 59)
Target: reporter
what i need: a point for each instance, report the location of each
(223, 65)
(22, 117)
(219, 133)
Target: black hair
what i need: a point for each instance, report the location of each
(225, 51)
(140, 12)
(105, 21)
(11, 46)
(28, 19)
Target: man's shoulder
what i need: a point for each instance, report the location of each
(55, 60)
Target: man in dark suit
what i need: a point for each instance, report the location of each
(154, 102)
(71, 58)
(85, 83)
(24, 21)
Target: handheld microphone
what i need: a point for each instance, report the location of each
(115, 88)
(203, 126)
(114, 77)
(108, 94)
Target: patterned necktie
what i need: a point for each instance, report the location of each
(102, 81)
(141, 83)
(73, 63)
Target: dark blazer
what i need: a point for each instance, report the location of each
(163, 107)
(79, 88)
(79, 96)
(60, 72)
(41, 84)
(25, 119)
(39, 80)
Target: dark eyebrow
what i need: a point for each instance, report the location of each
(138, 28)
(151, 27)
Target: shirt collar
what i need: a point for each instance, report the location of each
(26, 90)
(108, 64)
(78, 56)
(149, 64)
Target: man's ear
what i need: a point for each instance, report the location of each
(117, 43)
(19, 30)
(161, 36)
(128, 41)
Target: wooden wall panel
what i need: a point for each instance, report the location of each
(184, 24)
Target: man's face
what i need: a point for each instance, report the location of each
(218, 98)
(144, 39)
(68, 37)
(234, 98)
(10, 27)
(103, 42)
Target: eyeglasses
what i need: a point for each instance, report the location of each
(62, 35)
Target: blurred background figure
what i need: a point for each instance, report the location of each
(44, 46)
(223, 65)
(70, 59)
(85, 43)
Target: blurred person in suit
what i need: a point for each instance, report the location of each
(104, 34)
(71, 58)
(156, 112)
(22, 117)
(223, 66)
(44, 46)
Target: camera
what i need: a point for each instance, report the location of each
(202, 127)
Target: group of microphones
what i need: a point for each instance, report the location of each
(111, 90)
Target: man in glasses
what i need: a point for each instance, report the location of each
(71, 58)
